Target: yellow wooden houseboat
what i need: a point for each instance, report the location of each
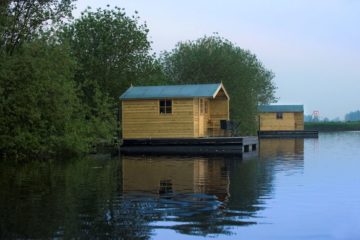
(281, 118)
(174, 111)
(283, 121)
(180, 119)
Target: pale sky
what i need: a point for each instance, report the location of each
(312, 46)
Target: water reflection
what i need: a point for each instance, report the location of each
(131, 197)
(63, 199)
(291, 148)
(283, 154)
(213, 194)
(166, 175)
(191, 194)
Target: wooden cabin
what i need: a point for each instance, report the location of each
(281, 118)
(175, 111)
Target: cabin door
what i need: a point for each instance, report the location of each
(201, 118)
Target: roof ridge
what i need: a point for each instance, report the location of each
(190, 84)
(281, 108)
(171, 91)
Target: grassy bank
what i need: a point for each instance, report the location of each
(333, 126)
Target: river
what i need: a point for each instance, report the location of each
(292, 189)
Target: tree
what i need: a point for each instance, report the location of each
(40, 113)
(59, 91)
(308, 118)
(353, 116)
(214, 59)
(112, 51)
(22, 21)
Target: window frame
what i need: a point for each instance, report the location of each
(167, 107)
(279, 115)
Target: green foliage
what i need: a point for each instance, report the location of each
(60, 95)
(214, 59)
(40, 112)
(333, 126)
(22, 21)
(112, 51)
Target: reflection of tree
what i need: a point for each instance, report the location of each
(251, 181)
(74, 199)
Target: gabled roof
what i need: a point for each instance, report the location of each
(281, 108)
(173, 91)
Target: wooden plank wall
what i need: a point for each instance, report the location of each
(290, 121)
(299, 121)
(206, 116)
(141, 119)
(196, 110)
(219, 110)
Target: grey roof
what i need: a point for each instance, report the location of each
(281, 108)
(171, 91)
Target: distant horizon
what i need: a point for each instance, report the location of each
(312, 47)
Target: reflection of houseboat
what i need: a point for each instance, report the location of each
(163, 175)
(190, 192)
(194, 118)
(286, 148)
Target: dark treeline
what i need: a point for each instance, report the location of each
(333, 126)
(353, 116)
(349, 117)
(60, 77)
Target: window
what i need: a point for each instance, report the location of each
(279, 115)
(165, 106)
(201, 106)
(165, 186)
(206, 107)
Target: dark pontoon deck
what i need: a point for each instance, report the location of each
(288, 134)
(198, 146)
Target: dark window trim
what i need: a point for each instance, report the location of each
(165, 106)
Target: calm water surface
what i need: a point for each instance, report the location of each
(293, 189)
